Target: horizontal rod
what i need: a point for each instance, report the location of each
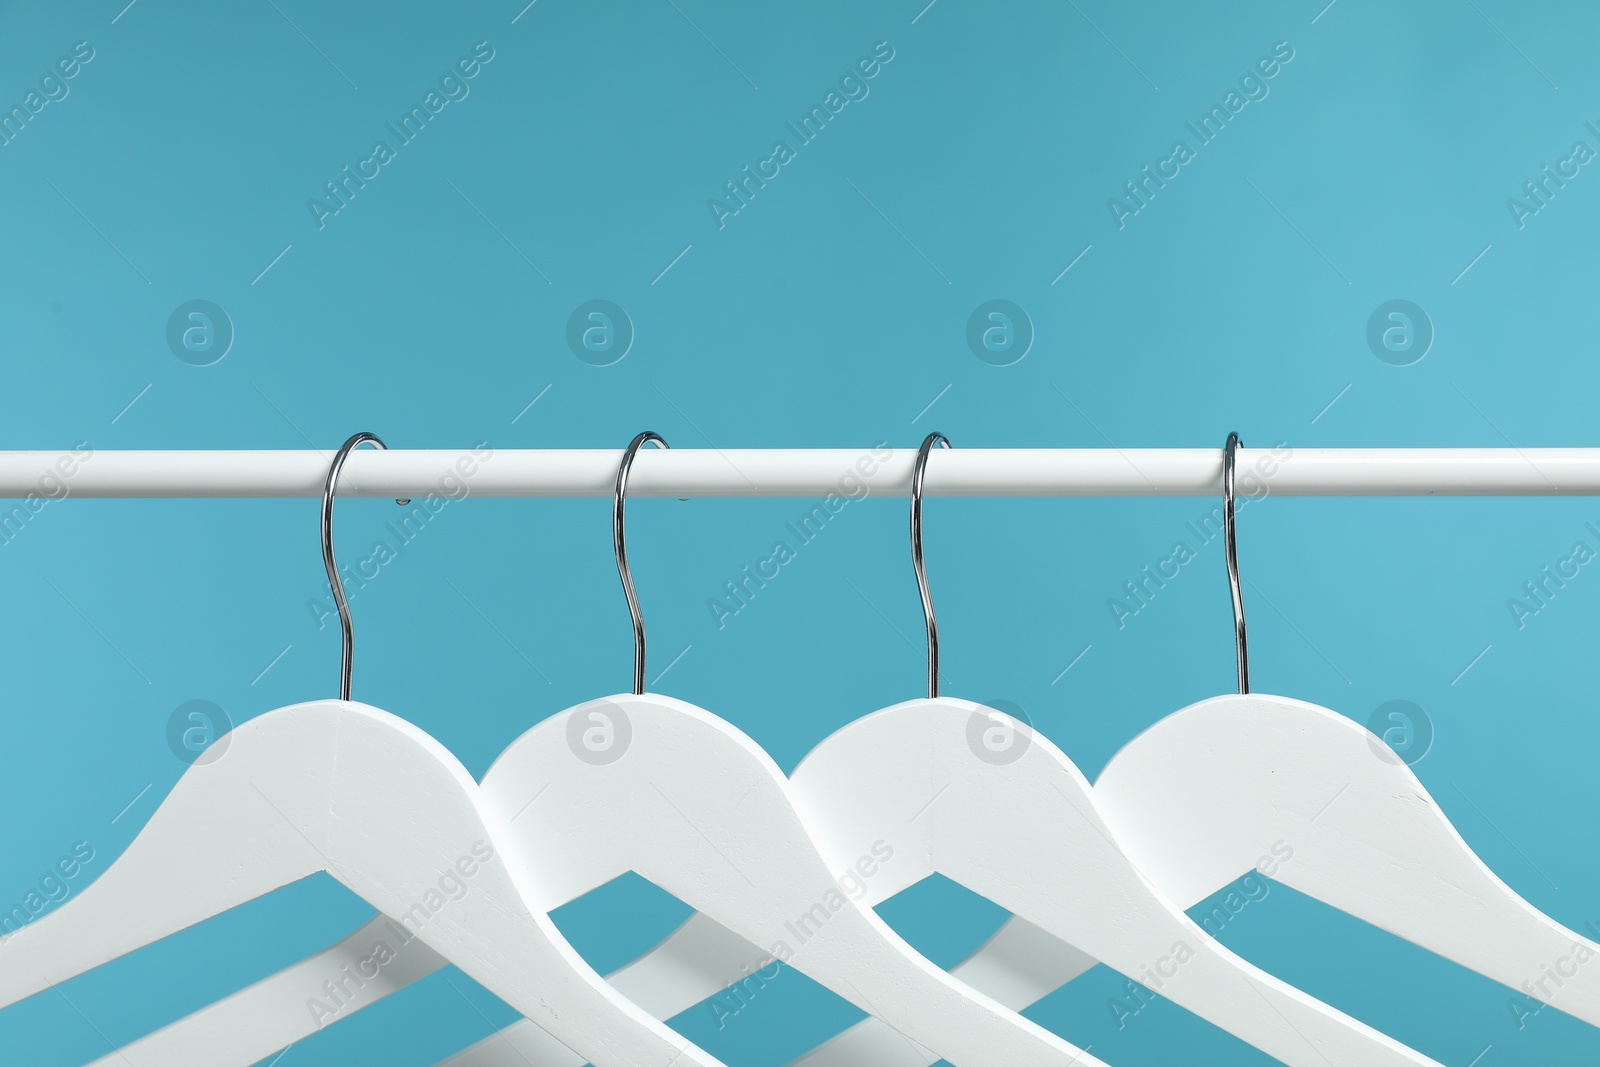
(973, 472)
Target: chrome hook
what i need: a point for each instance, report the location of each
(917, 564)
(347, 653)
(619, 544)
(1230, 545)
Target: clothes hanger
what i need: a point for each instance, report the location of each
(1365, 834)
(646, 783)
(954, 805)
(1305, 796)
(381, 806)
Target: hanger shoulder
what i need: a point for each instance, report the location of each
(1060, 869)
(218, 833)
(1316, 801)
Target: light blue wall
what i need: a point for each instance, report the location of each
(831, 310)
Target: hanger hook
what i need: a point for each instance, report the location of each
(917, 564)
(619, 543)
(1230, 544)
(339, 598)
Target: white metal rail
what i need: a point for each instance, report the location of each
(991, 472)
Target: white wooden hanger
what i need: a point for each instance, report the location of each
(378, 804)
(646, 783)
(1364, 834)
(1309, 798)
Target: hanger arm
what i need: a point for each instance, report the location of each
(1208, 793)
(274, 1013)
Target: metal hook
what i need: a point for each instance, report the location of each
(619, 543)
(917, 564)
(339, 598)
(1230, 544)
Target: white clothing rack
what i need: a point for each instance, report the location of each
(687, 472)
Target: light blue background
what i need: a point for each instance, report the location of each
(829, 312)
